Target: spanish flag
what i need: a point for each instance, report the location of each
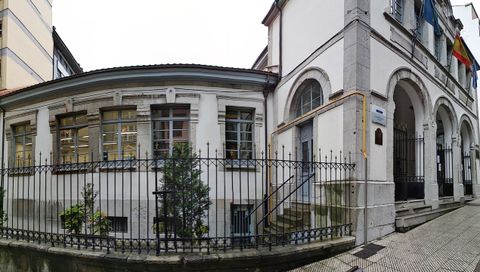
(460, 52)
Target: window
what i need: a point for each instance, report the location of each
(419, 20)
(438, 47)
(461, 74)
(23, 142)
(397, 9)
(73, 139)
(449, 53)
(118, 224)
(1, 28)
(239, 133)
(309, 97)
(119, 134)
(170, 126)
(241, 223)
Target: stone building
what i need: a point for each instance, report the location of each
(367, 78)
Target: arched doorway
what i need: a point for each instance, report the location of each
(408, 144)
(465, 147)
(444, 155)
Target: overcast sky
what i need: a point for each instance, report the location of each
(109, 33)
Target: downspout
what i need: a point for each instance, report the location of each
(267, 140)
(365, 158)
(280, 37)
(3, 156)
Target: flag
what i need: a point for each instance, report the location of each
(460, 52)
(474, 75)
(430, 15)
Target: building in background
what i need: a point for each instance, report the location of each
(30, 48)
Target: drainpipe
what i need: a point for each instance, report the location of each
(3, 153)
(280, 37)
(265, 114)
(365, 157)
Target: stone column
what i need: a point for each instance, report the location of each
(458, 192)
(430, 160)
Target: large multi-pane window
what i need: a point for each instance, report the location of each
(420, 21)
(239, 125)
(309, 97)
(73, 138)
(170, 126)
(23, 141)
(119, 134)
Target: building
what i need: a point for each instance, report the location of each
(28, 43)
(359, 128)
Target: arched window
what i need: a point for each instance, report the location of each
(309, 97)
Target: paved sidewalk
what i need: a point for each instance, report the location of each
(448, 243)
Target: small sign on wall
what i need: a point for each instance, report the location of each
(379, 115)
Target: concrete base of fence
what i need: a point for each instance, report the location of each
(24, 256)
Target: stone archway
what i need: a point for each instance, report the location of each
(445, 137)
(408, 107)
(467, 162)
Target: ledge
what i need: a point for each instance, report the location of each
(278, 258)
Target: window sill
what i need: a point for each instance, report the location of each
(123, 165)
(239, 165)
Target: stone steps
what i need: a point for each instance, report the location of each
(408, 221)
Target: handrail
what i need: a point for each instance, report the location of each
(268, 197)
(279, 203)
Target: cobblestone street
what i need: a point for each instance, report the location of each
(448, 243)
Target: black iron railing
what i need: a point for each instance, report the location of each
(467, 173)
(178, 204)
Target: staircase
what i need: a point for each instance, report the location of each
(413, 213)
(294, 219)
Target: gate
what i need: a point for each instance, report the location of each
(409, 166)
(467, 174)
(444, 170)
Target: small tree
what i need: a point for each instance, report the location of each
(84, 213)
(187, 198)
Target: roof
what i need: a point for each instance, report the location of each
(62, 47)
(141, 74)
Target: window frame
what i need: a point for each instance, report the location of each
(119, 122)
(75, 127)
(170, 119)
(23, 136)
(307, 86)
(397, 9)
(237, 123)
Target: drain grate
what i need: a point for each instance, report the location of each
(368, 251)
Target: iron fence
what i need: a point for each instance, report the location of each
(467, 174)
(195, 203)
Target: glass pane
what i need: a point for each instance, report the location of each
(246, 127)
(180, 112)
(232, 154)
(110, 151)
(180, 134)
(231, 136)
(231, 145)
(161, 145)
(246, 146)
(160, 135)
(246, 115)
(81, 120)
(231, 114)
(66, 121)
(129, 132)
(129, 114)
(110, 115)
(246, 136)
(246, 155)
(230, 126)
(19, 129)
(160, 113)
(82, 139)
(180, 125)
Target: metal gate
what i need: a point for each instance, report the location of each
(467, 174)
(409, 166)
(444, 170)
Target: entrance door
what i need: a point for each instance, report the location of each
(306, 149)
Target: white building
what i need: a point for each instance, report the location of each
(339, 75)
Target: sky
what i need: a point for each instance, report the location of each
(111, 33)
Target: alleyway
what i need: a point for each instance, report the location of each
(448, 243)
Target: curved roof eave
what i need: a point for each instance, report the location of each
(143, 74)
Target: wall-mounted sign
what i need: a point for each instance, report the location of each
(379, 115)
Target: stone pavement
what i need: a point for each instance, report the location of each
(448, 243)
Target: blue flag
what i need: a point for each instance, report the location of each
(430, 16)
